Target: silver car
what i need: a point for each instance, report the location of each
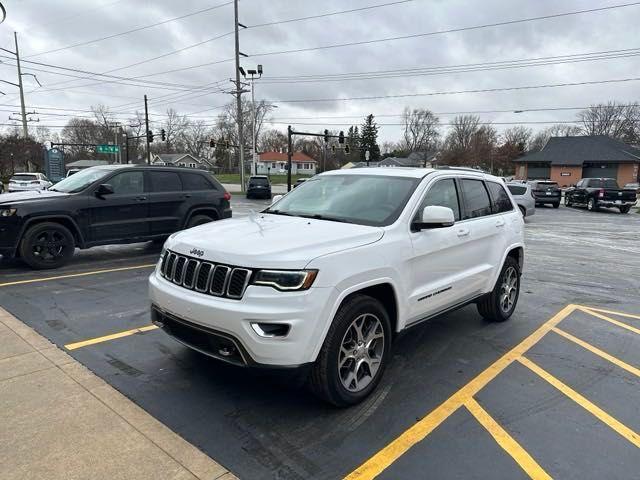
(524, 198)
(25, 182)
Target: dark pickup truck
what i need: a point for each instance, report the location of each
(599, 192)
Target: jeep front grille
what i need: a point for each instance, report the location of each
(205, 277)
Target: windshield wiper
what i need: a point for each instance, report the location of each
(278, 212)
(317, 216)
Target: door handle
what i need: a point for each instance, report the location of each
(463, 232)
(141, 198)
(500, 223)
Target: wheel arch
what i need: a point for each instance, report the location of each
(63, 220)
(203, 210)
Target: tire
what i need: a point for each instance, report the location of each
(494, 306)
(198, 220)
(522, 211)
(567, 201)
(556, 205)
(327, 380)
(592, 205)
(625, 209)
(47, 245)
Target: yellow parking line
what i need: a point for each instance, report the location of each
(72, 275)
(394, 450)
(506, 441)
(106, 338)
(610, 320)
(622, 314)
(596, 411)
(597, 351)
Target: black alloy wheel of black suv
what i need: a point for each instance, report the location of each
(107, 205)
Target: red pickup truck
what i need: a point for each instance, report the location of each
(599, 192)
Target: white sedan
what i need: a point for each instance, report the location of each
(24, 182)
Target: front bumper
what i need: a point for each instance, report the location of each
(212, 325)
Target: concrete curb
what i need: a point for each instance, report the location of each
(198, 464)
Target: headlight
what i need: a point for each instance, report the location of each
(7, 212)
(286, 279)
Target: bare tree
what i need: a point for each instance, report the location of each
(542, 137)
(272, 140)
(518, 136)
(421, 130)
(196, 138)
(460, 136)
(174, 126)
(619, 121)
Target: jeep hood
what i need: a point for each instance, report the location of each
(270, 241)
(29, 196)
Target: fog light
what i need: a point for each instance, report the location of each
(271, 330)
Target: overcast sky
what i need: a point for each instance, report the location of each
(48, 25)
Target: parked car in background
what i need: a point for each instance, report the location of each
(299, 182)
(72, 171)
(523, 196)
(259, 186)
(329, 274)
(106, 205)
(546, 192)
(24, 182)
(599, 192)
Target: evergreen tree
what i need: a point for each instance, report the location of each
(353, 141)
(369, 139)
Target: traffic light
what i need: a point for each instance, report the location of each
(150, 136)
(163, 135)
(341, 137)
(212, 143)
(326, 136)
(346, 149)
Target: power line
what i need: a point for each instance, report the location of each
(127, 32)
(457, 92)
(460, 68)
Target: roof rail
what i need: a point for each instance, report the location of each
(453, 167)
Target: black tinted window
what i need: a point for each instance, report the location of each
(442, 194)
(264, 182)
(165, 182)
(610, 183)
(476, 198)
(500, 200)
(194, 181)
(127, 183)
(517, 189)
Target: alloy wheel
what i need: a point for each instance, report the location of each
(508, 289)
(49, 245)
(361, 352)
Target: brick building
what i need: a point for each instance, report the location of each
(568, 159)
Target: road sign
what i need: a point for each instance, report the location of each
(54, 164)
(107, 148)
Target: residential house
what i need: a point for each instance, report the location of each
(274, 163)
(180, 160)
(566, 160)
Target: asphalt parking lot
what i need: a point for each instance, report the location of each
(552, 393)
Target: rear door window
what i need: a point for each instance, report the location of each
(500, 201)
(195, 181)
(517, 189)
(127, 183)
(165, 182)
(476, 198)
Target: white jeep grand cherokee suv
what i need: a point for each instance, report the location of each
(334, 270)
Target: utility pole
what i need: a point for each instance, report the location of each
(25, 132)
(289, 155)
(146, 122)
(238, 95)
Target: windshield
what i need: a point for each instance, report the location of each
(363, 199)
(23, 178)
(80, 180)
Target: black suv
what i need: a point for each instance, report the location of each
(105, 205)
(259, 187)
(546, 192)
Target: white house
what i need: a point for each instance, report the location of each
(179, 160)
(275, 163)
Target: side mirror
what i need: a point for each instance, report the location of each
(276, 199)
(104, 189)
(434, 217)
